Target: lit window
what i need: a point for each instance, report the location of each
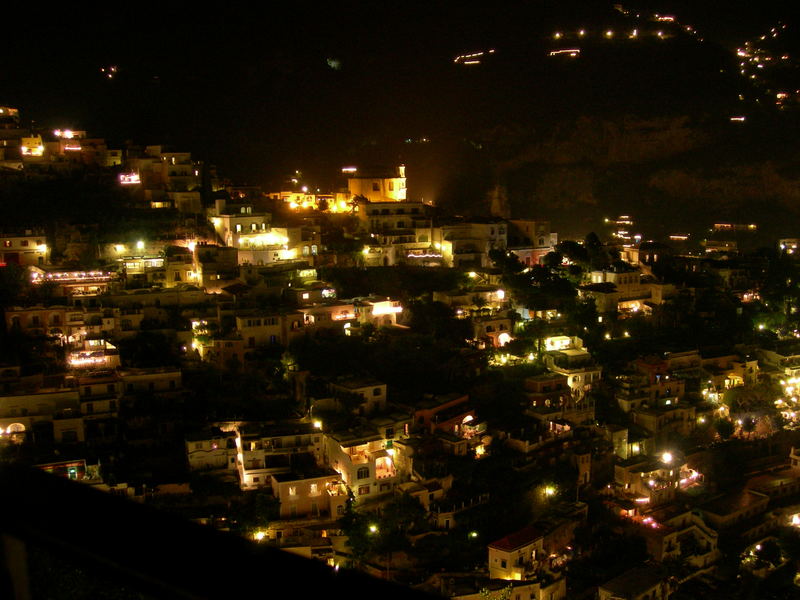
(292, 491)
(313, 489)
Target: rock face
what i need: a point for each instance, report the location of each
(590, 168)
(604, 142)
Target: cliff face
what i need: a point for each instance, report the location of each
(602, 142)
(589, 169)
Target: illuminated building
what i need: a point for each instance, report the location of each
(530, 240)
(364, 460)
(789, 245)
(577, 365)
(27, 247)
(71, 325)
(371, 391)
(650, 479)
(492, 330)
(517, 555)
(264, 450)
(94, 354)
(54, 411)
(329, 315)
(161, 380)
(536, 550)
(161, 179)
(382, 216)
(378, 312)
(32, 147)
(100, 394)
(471, 241)
(211, 449)
(377, 185)
(259, 328)
(312, 493)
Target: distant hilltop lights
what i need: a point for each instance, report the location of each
(764, 68)
(669, 21)
(472, 59)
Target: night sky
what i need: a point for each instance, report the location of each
(261, 93)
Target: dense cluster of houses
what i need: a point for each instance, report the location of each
(352, 442)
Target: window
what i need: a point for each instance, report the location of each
(362, 473)
(87, 391)
(313, 489)
(391, 186)
(24, 243)
(503, 564)
(292, 490)
(111, 388)
(238, 228)
(89, 408)
(375, 186)
(256, 479)
(340, 509)
(253, 226)
(363, 490)
(376, 392)
(112, 405)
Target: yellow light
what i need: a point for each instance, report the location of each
(259, 535)
(373, 528)
(501, 294)
(549, 490)
(318, 424)
(609, 34)
(140, 245)
(365, 250)
(557, 35)
(472, 274)
(192, 246)
(666, 457)
(42, 248)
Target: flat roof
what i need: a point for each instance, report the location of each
(518, 539)
(634, 581)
